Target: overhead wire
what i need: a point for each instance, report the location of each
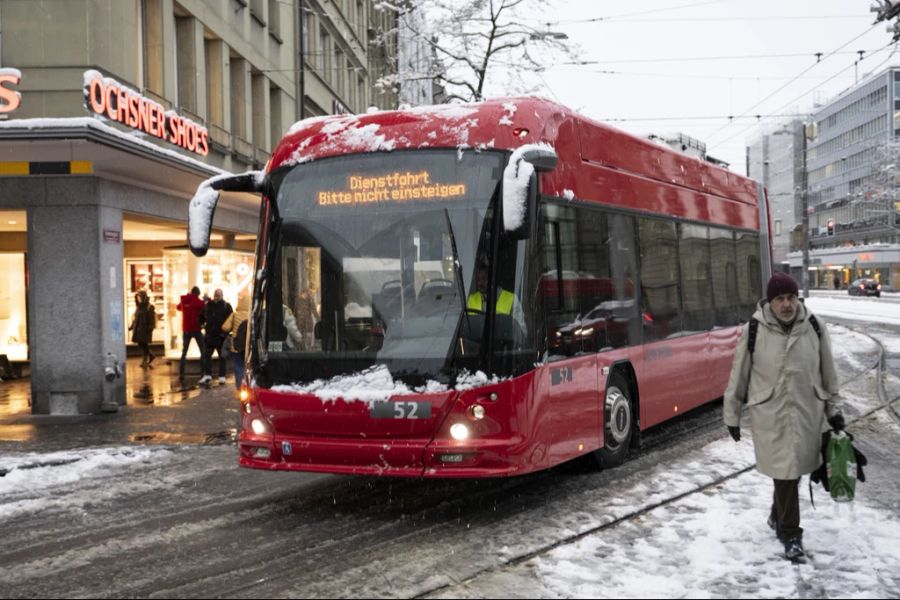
(817, 55)
(807, 92)
(636, 14)
(792, 80)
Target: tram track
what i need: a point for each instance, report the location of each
(884, 403)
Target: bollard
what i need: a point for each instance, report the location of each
(111, 372)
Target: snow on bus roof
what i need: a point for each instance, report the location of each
(439, 125)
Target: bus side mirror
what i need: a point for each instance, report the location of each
(520, 185)
(203, 204)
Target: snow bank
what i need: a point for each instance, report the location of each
(30, 471)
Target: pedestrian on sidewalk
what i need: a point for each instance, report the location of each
(191, 307)
(215, 313)
(785, 374)
(237, 337)
(143, 321)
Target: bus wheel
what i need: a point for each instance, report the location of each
(618, 423)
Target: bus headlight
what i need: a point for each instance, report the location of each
(459, 432)
(258, 427)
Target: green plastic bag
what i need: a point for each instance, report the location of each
(840, 462)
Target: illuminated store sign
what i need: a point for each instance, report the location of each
(393, 187)
(106, 97)
(9, 98)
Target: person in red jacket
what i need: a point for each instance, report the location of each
(191, 307)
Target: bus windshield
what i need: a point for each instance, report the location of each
(376, 254)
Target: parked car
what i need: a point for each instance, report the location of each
(865, 287)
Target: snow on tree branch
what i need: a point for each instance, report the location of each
(475, 49)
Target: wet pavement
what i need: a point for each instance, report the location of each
(158, 410)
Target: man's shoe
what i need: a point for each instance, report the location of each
(205, 379)
(793, 549)
(221, 380)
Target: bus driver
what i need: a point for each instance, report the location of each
(507, 303)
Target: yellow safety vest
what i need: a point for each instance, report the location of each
(504, 302)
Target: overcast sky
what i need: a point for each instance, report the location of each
(646, 49)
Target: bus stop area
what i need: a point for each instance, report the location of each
(158, 410)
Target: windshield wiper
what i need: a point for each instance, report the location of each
(457, 272)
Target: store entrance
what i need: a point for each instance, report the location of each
(158, 262)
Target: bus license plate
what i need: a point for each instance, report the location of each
(401, 410)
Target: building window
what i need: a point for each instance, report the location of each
(778, 228)
(275, 118)
(152, 34)
(186, 63)
(256, 11)
(324, 54)
(275, 19)
(215, 112)
(340, 68)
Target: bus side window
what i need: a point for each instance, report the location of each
(695, 280)
(587, 284)
(660, 285)
(748, 275)
(723, 277)
(558, 281)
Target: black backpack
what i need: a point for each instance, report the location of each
(240, 338)
(754, 327)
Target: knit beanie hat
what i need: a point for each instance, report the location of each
(780, 284)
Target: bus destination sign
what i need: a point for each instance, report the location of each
(392, 187)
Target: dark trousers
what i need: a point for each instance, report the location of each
(214, 346)
(237, 361)
(786, 509)
(146, 353)
(186, 338)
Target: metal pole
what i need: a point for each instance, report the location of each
(301, 62)
(804, 203)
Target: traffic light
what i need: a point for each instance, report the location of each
(830, 226)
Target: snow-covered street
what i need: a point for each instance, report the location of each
(684, 518)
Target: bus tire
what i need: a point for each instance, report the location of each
(618, 422)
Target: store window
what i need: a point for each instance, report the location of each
(230, 270)
(13, 317)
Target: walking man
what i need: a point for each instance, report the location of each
(215, 314)
(191, 307)
(784, 372)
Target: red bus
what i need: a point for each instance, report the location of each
(484, 290)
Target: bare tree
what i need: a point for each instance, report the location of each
(478, 48)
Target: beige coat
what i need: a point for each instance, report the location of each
(789, 385)
(234, 320)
